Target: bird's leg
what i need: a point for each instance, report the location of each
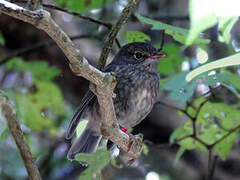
(132, 138)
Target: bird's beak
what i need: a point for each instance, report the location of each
(158, 56)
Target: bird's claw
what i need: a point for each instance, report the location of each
(137, 139)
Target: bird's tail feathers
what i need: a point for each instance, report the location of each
(87, 143)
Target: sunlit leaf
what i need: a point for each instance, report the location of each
(225, 26)
(232, 60)
(215, 121)
(137, 36)
(181, 135)
(30, 114)
(216, 124)
(33, 106)
(179, 34)
(82, 6)
(48, 95)
(202, 55)
(181, 132)
(38, 108)
(224, 147)
(205, 14)
(201, 18)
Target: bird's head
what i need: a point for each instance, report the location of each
(138, 53)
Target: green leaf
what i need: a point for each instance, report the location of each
(181, 132)
(145, 149)
(233, 83)
(225, 26)
(224, 62)
(31, 107)
(224, 147)
(162, 81)
(81, 126)
(215, 121)
(179, 90)
(217, 124)
(202, 55)
(201, 18)
(205, 14)
(30, 114)
(172, 63)
(48, 95)
(82, 6)
(2, 41)
(212, 80)
(39, 69)
(96, 162)
(179, 34)
(180, 135)
(179, 155)
(137, 36)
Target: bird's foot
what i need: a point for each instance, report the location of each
(132, 139)
(137, 139)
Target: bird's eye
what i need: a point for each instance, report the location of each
(138, 55)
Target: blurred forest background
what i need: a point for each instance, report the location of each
(35, 75)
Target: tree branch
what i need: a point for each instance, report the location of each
(127, 11)
(14, 127)
(105, 82)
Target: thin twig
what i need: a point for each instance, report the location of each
(107, 25)
(14, 127)
(68, 11)
(194, 119)
(214, 163)
(184, 111)
(209, 165)
(74, 13)
(159, 146)
(21, 51)
(127, 11)
(170, 106)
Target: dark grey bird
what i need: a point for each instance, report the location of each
(135, 68)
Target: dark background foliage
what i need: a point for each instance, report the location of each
(46, 92)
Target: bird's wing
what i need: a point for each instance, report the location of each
(88, 99)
